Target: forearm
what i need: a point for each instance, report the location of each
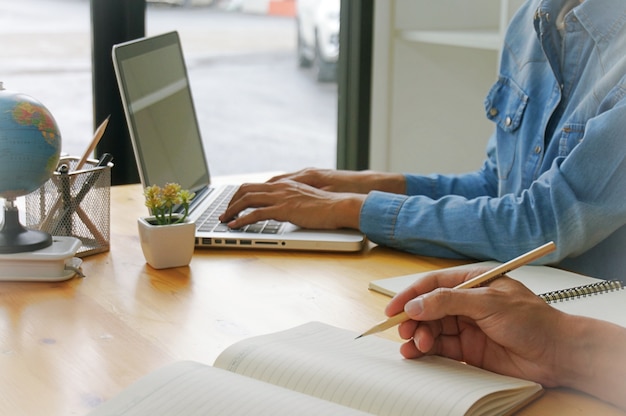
(593, 359)
(469, 185)
(394, 183)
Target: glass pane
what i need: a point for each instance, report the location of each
(256, 105)
(45, 52)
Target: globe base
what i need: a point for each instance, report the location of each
(14, 238)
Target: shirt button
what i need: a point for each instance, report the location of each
(508, 121)
(493, 111)
(537, 149)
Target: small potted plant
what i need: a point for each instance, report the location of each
(167, 237)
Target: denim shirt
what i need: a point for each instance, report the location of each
(556, 162)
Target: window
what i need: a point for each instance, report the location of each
(257, 109)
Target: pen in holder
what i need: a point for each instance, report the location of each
(75, 203)
(64, 182)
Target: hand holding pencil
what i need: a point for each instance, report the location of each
(507, 329)
(479, 280)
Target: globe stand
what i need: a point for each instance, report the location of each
(14, 238)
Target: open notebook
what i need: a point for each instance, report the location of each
(316, 369)
(570, 292)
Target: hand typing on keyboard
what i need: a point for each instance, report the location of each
(210, 219)
(295, 202)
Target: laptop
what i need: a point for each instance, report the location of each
(156, 95)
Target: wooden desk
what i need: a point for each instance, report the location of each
(66, 347)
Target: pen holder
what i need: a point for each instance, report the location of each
(74, 203)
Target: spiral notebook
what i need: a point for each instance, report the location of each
(604, 300)
(567, 291)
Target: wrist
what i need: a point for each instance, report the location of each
(573, 352)
(591, 358)
(348, 210)
(385, 181)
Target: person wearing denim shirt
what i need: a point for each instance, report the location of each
(555, 168)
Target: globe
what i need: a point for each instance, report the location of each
(30, 146)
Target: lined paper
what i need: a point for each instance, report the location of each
(366, 374)
(195, 389)
(323, 371)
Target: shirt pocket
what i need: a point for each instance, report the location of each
(571, 135)
(505, 105)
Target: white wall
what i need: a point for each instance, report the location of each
(434, 63)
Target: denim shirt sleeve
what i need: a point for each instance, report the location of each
(470, 185)
(577, 203)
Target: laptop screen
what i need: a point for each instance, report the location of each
(159, 107)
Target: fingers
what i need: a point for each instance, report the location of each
(433, 338)
(423, 334)
(475, 303)
(247, 196)
(430, 282)
(287, 201)
(409, 350)
(253, 216)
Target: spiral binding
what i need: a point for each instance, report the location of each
(582, 291)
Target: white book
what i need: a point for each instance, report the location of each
(317, 369)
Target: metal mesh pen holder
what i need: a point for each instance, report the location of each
(74, 203)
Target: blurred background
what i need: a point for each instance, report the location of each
(257, 89)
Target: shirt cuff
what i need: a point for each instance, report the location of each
(379, 215)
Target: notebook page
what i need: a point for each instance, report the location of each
(194, 389)
(366, 374)
(539, 279)
(608, 306)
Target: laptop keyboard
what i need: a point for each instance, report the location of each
(209, 221)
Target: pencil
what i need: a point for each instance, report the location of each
(94, 142)
(474, 282)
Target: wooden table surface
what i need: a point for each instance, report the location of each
(67, 346)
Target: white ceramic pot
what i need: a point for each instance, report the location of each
(166, 246)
